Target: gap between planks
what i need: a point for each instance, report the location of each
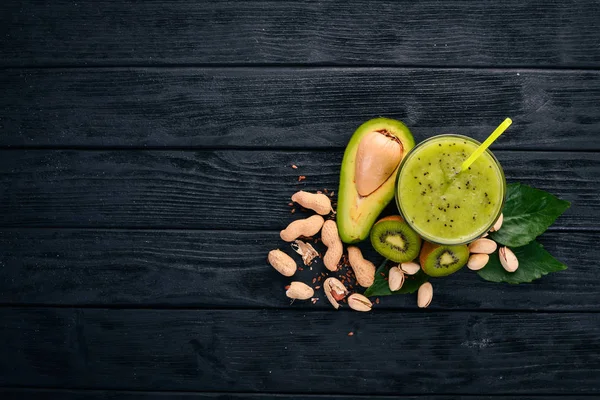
(407, 310)
(269, 395)
(287, 66)
(305, 149)
(242, 229)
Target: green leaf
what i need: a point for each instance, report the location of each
(380, 286)
(534, 262)
(528, 212)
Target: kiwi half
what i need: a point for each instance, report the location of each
(394, 239)
(439, 260)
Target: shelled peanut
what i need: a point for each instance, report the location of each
(302, 227)
(364, 270)
(317, 202)
(283, 263)
(331, 238)
(299, 291)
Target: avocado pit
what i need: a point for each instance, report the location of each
(379, 154)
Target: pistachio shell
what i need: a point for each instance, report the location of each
(508, 259)
(477, 261)
(483, 246)
(425, 295)
(410, 268)
(498, 224)
(358, 302)
(395, 278)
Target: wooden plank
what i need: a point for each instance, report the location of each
(65, 394)
(483, 33)
(225, 189)
(293, 107)
(265, 351)
(203, 269)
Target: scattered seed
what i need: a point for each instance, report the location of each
(293, 210)
(350, 333)
(301, 178)
(294, 166)
(317, 287)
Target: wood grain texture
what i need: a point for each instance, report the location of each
(225, 189)
(265, 351)
(66, 394)
(483, 33)
(207, 269)
(293, 107)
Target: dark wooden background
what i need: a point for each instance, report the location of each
(145, 169)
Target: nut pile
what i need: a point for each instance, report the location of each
(361, 271)
(299, 232)
(481, 249)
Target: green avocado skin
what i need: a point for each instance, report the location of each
(355, 214)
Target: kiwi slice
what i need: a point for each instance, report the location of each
(440, 260)
(394, 239)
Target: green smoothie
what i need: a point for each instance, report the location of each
(443, 204)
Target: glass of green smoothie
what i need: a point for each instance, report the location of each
(443, 204)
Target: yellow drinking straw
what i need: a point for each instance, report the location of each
(488, 142)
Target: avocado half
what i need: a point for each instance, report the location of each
(356, 214)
